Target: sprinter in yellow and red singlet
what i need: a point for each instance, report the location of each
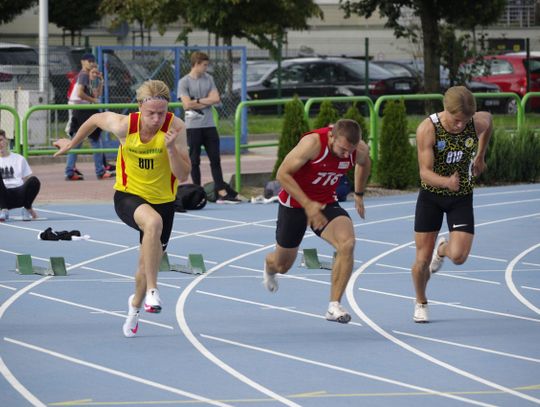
(309, 176)
(152, 158)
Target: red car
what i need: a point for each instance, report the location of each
(509, 72)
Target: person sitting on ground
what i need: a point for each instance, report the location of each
(18, 188)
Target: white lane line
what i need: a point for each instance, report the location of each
(531, 264)
(115, 372)
(476, 256)
(346, 370)
(184, 327)
(116, 222)
(478, 280)
(12, 380)
(7, 287)
(385, 220)
(513, 192)
(507, 203)
(510, 282)
(131, 278)
(98, 310)
(461, 345)
(23, 391)
(454, 305)
(231, 240)
(376, 241)
(350, 297)
(267, 306)
(530, 288)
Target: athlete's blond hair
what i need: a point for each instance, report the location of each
(459, 99)
(153, 89)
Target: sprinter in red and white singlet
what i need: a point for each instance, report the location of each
(309, 176)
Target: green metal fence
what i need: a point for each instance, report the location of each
(374, 120)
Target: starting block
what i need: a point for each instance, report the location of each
(195, 264)
(310, 260)
(57, 266)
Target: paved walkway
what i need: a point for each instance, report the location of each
(54, 188)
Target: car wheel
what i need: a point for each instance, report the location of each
(511, 106)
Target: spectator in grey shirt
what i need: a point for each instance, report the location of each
(197, 92)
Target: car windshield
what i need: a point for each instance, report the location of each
(534, 65)
(375, 71)
(255, 71)
(18, 56)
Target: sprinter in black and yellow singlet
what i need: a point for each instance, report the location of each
(451, 146)
(152, 158)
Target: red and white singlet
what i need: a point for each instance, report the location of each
(320, 177)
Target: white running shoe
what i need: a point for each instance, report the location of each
(26, 216)
(420, 312)
(437, 261)
(270, 280)
(152, 302)
(337, 313)
(131, 325)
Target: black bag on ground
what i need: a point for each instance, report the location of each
(271, 188)
(189, 197)
(211, 193)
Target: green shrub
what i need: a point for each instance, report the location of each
(294, 126)
(353, 113)
(327, 115)
(396, 167)
(512, 157)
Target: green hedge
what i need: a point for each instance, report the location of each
(294, 126)
(512, 157)
(397, 167)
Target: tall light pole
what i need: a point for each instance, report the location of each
(43, 48)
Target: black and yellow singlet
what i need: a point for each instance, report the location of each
(143, 169)
(453, 152)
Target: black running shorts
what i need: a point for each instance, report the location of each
(125, 205)
(292, 223)
(431, 207)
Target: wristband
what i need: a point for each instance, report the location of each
(358, 193)
(197, 100)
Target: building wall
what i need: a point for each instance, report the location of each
(335, 35)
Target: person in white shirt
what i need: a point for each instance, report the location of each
(18, 187)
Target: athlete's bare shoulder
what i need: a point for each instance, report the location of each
(482, 121)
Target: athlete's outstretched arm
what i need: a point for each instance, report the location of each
(362, 169)
(107, 121)
(307, 149)
(175, 140)
(484, 128)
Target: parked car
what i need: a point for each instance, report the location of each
(509, 73)
(399, 68)
(19, 67)
(416, 68)
(318, 77)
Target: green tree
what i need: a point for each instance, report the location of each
(397, 167)
(74, 16)
(294, 126)
(327, 115)
(144, 13)
(462, 13)
(262, 22)
(10, 9)
(353, 113)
